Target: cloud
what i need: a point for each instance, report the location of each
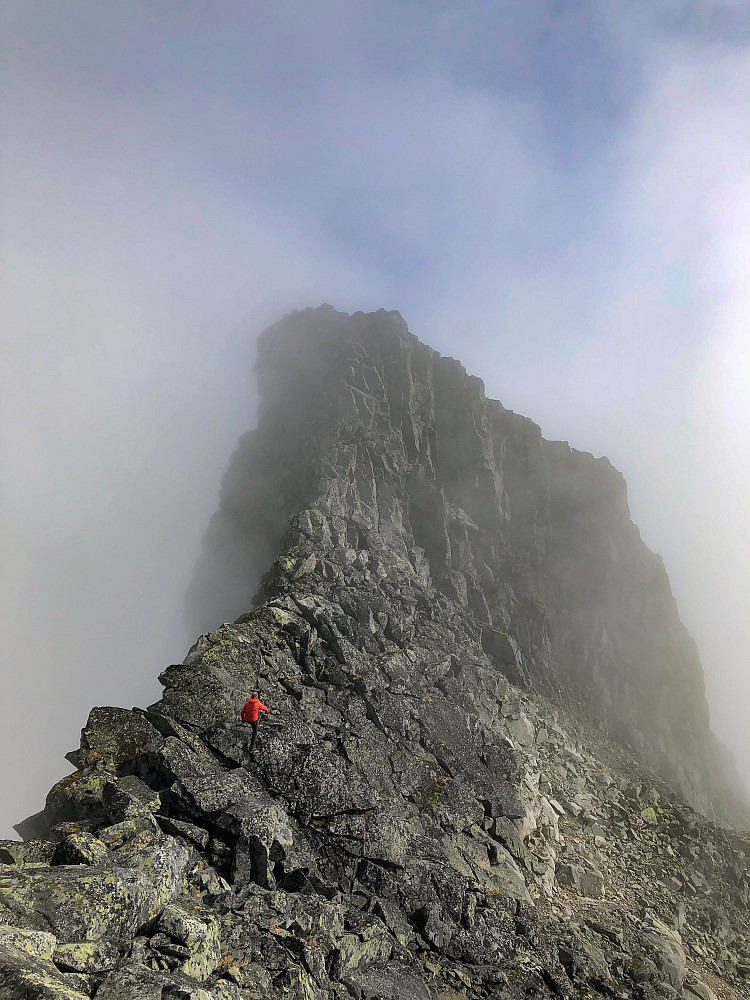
(554, 197)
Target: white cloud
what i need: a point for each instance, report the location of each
(171, 200)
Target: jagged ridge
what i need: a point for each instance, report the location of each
(413, 823)
(403, 478)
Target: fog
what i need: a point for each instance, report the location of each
(557, 195)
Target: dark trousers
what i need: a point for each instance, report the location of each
(255, 733)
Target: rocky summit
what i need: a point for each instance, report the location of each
(488, 770)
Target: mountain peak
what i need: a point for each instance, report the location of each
(487, 771)
(371, 442)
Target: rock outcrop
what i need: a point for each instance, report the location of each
(404, 482)
(488, 771)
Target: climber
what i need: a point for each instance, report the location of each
(250, 713)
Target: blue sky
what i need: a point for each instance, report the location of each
(555, 193)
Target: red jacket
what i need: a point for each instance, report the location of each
(251, 709)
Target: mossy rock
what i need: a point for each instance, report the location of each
(23, 976)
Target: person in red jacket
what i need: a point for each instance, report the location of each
(250, 712)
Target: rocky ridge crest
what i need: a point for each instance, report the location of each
(488, 767)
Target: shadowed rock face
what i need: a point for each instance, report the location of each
(456, 619)
(404, 482)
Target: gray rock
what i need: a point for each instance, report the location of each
(76, 797)
(390, 981)
(135, 980)
(128, 798)
(92, 903)
(411, 823)
(669, 955)
(195, 834)
(31, 852)
(695, 989)
(114, 739)
(87, 956)
(585, 881)
(39, 944)
(118, 833)
(80, 849)
(36, 827)
(190, 923)
(521, 730)
(78, 903)
(24, 975)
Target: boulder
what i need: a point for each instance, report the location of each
(179, 828)
(190, 923)
(76, 797)
(392, 980)
(128, 798)
(33, 827)
(695, 989)
(24, 975)
(80, 849)
(117, 834)
(668, 953)
(521, 730)
(98, 903)
(136, 980)
(39, 944)
(114, 740)
(87, 956)
(264, 837)
(161, 867)
(30, 852)
(585, 881)
(78, 903)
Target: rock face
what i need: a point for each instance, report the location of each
(488, 770)
(405, 483)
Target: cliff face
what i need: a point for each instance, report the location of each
(405, 482)
(456, 618)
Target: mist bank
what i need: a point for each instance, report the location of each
(556, 196)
